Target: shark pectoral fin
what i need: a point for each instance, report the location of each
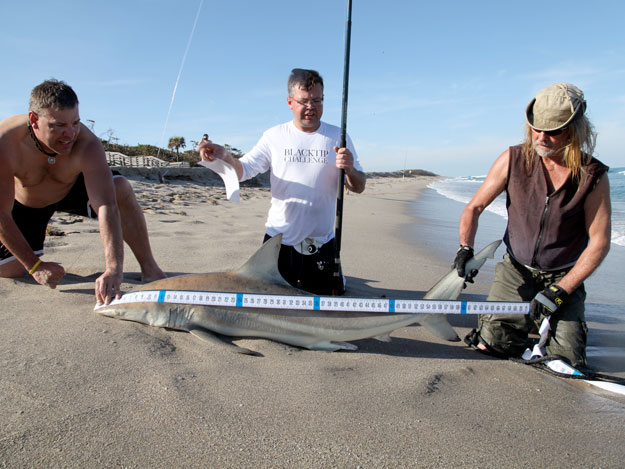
(437, 324)
(331, 346)
(208, 336)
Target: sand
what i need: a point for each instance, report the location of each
(81, 390)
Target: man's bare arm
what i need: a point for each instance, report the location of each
(45, 273)
(101, 191)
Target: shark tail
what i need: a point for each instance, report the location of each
(449, 288)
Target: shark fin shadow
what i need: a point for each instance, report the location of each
(221, 341)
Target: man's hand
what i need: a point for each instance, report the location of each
(344, 159)
(460, 262)
(355, 179)
(547, 302)
(464, 254)
(210, 152)
(49, 274)
(107, 287)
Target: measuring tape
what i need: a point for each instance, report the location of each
(323, 303)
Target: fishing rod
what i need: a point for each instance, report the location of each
(338, 224)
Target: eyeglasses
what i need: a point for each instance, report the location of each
(305, 102)
(551, 133)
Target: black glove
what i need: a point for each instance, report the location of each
(460, 262)
(547, 301)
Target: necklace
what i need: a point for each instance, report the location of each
(51, 156)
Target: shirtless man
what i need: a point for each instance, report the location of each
(50, 162)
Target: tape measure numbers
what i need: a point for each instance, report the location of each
(324, 303)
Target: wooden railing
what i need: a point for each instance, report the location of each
(114, 158)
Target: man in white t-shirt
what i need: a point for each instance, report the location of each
(304, 160)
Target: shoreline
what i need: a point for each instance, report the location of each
(78, 389)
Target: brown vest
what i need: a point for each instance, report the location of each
(546, 231)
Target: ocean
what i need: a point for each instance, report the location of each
(436, 230)
(462, 189)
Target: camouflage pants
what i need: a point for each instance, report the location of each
(509, 333)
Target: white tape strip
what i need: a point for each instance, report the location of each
(324, 303)
(229, 176)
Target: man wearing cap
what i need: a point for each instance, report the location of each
(558, 231)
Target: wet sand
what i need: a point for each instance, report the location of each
(81, 390)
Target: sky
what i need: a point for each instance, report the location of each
(437, 85)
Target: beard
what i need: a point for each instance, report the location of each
(546, 152)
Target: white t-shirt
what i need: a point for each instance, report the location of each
(304, 180)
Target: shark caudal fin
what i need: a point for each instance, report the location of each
(450, 286)
(264, 263)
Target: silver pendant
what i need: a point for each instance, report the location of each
(51, 160)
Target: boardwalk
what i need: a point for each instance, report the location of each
(117, 159)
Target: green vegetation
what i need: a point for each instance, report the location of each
(176, 143)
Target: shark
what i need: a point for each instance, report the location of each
(315, 330)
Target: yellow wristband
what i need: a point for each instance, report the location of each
(32, 271)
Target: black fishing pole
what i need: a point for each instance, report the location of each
(338, 224)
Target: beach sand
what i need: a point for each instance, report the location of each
(81, 390)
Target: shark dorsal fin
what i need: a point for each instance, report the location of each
(264, 263)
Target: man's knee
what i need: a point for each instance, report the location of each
(568, 340)
(124, 193)
(122, 186)
(506, 333)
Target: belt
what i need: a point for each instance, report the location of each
(308, 247)
(533, 270)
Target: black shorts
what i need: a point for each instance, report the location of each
(314, 273)
(33, 222)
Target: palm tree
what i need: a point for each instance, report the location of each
(177, 143)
